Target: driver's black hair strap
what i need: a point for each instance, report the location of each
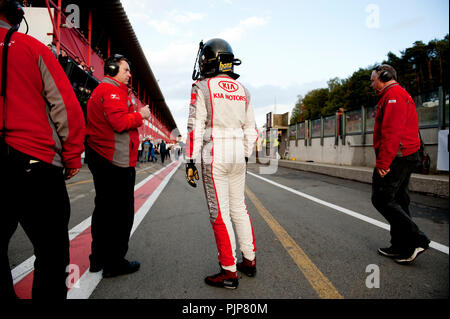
(4, 71)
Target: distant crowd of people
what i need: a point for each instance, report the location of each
(148, 151)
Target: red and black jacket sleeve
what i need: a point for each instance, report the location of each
(64, 109)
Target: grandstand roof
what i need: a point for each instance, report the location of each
(109, 20)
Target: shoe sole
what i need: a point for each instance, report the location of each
(248, 271)
(231, 288)
(221, 285)
(248, 274)
(410, 259)
(387, 255)
(95, 269)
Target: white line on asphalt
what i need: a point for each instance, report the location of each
(73, 200)
(89, 281)
(22, 270)
(435, 245)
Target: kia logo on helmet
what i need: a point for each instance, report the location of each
(228, 86)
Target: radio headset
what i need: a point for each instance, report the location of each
(14, 14)
(385, 74)
(112, 64)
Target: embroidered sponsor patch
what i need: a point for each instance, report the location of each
(230, 97)
(115, 96)
(193, 98)
(225, 67)
(392, 101)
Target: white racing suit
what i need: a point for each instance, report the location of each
(221, 126)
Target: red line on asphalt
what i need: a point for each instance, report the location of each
(80, 246)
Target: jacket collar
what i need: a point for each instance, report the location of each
(386, 88)
(4, 24)
(110, 80)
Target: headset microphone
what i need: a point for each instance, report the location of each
(196, 73)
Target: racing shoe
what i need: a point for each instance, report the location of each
(247, 267)
(410, 255)
(391, 252)
(224, 279)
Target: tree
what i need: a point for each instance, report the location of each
(297, 110)
(313, 103)
(359, 92)
(440, 65)
(336, 97)
(421, 68)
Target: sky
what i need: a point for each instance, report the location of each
(287, 47)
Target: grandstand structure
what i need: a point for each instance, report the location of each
(88, 32)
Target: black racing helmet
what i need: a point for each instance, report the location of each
(215, 57)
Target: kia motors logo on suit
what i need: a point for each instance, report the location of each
(229, 86)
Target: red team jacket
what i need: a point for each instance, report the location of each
(112, 123)
(43, 117)
(396, 130)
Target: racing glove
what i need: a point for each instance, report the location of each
(191, 173)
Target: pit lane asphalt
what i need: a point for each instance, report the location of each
(176, 248)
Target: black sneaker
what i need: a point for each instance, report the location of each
(95, 267)
(224, 279)
(391, 252)
(125, 268)
(410, 255)
(425, 244)
(96, 264)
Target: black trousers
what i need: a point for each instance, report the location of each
(35, 196)
(390, 196)
(113, 215)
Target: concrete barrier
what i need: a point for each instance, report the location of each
(436, 185)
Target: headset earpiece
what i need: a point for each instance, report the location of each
(13, 12)
(386, 76)
(112, 64)
(112, 69)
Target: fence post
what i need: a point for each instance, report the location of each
(321, 131)
(441, 109)
(344, 127)
(336, 129)
(310, 132)
(306, 132)
(363, 125)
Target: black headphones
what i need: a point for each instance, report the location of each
(13, 12)
(112, 64)
(386, 75)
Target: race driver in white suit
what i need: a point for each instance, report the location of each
(221, 128)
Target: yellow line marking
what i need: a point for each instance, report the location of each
(318, 281)
(80, 182)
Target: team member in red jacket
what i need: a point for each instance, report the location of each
(396, 143)
(42, 135)
(112, 146)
